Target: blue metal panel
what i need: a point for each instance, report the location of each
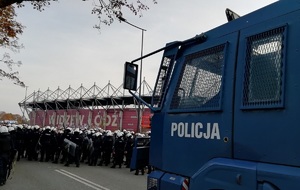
(278, 177)
(188, 140)
(271, 135)
(225, 174)
(262, 15)
(171, 182)
(156, 148)
(267, 186)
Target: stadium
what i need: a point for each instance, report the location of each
(109, 108)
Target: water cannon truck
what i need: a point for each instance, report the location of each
(226, 105)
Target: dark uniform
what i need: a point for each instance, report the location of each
(5, 154)
(118, 151)
(20, 142)
(58, 149)
(54, 145)
(128, 150)
(97, 148)
(66, 135)
(77, 139)
(33, 138)
(85, 146)
(107, 149)
(45, 140)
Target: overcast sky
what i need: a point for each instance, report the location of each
(62, 48)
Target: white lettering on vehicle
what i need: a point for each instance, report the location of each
(196, 130)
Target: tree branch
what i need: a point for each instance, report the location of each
(5, 3)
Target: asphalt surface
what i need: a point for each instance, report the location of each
(33, 175)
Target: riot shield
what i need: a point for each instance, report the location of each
(140, 153)
(70, 146)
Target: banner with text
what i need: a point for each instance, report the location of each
(111, 119)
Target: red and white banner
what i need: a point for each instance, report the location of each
(111, 119)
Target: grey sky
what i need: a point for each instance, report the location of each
(62, 48)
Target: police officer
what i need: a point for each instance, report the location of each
(97, 146)
(20, 143)
(5, 153)
(54, 143)
(12, 133)
(67, 134)
(85, 145)
(128, 149)
(45, 141)
(58, 149)
(32, 140)
(107, 148)
(118, 150)
(77, 139)
(142, 163)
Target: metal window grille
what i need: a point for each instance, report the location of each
(201, 80)
(263, 78)
(164, 77)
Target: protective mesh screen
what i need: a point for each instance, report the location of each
(200, 82)
(164, 76)
(264, 69)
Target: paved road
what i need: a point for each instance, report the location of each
(47, 176)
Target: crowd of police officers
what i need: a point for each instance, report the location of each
(95, 147)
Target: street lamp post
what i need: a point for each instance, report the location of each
(25, 101)
(141, 69)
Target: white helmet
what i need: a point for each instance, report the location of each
(3, 129)
(109, 133)
(10, 129)
(98, 134)
(140, 135)
(119, 134)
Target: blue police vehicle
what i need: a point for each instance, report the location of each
(226, 105)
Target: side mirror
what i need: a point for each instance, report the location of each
(130, 76)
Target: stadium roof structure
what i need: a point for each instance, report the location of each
(84, 98)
